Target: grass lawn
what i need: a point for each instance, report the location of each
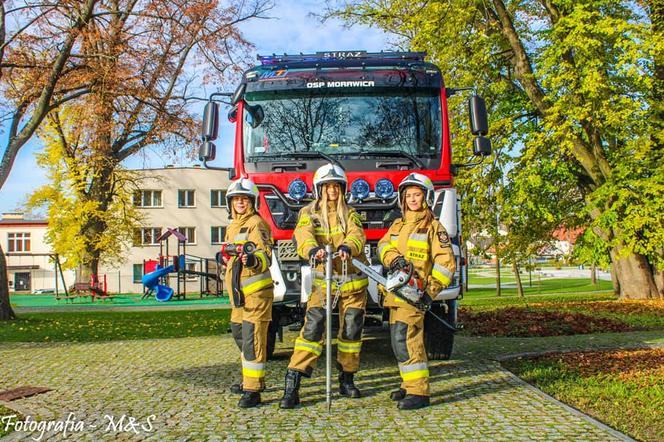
(624, 389)
(555, 285)
(110, 326)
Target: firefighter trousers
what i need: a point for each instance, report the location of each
(249, 326)
(407, 336)
(309, 344)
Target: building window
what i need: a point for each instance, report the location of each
(18, 242)
(138, 273)
(217, 234)
(186, 198)
(147, 198)
(147, 236)
(217, 198)
(190, 233)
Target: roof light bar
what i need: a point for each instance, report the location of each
(340, 55)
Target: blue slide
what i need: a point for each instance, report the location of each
(151, 281)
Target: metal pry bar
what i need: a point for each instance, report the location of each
(328, 326)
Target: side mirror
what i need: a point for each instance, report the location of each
(207, 151)
(478, 117)
(210, 121)
(481, 146)
(238, 94)
(232, 114)
(256, 114)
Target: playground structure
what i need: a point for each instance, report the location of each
(95, 287)
(156, 273)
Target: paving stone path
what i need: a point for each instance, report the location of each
(184, 383)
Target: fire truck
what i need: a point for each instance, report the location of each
(380, 116)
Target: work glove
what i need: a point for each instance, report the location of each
(345, 249)
(249, 260)
(398, 264)
(313, 253)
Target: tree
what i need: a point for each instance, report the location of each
(35, 37)
(127, 61)
(69, 166)
(581, 74)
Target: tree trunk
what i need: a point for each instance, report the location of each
(634, 276)
(465, 269)
(6, 312)
(519, 286)
(593, 274)
(659, 282)
(498, 292)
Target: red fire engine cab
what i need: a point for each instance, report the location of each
(380, 116)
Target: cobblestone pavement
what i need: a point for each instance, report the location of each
(184, 383)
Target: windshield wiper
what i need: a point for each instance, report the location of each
(307, 154)
(416, 161)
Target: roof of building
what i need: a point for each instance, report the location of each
(23, 222)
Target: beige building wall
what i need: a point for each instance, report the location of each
(202, 216)
(33, 269)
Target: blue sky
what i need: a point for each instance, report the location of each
(291, 30)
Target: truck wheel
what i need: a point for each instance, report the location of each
(438, 339)
(272, 330)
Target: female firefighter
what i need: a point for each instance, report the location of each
(328, 220)
(249, 282)
(419, 240)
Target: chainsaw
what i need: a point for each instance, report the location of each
(405, 284)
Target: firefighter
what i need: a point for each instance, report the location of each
(328, 220)
(419, 240)
(249, 281)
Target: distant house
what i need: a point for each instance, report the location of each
(30, 261)
(191, 200)
(563, 244)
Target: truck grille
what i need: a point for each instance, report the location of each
(286, 251)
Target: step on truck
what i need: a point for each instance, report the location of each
(380, 116)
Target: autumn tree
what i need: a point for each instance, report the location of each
(68, 164)
(575, 82)
(132, 64)
(37, 39)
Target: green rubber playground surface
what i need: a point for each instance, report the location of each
(123, 300)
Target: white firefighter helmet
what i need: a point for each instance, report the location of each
(421, 181)
(242, 186)
(329, 173)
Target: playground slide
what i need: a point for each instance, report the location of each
(151, 281)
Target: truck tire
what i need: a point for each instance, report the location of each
(438, 339)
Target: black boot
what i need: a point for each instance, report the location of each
(237, 389)
(249, 399)
(397, 395)
(413, 402)
(347, 386)
(291, 389)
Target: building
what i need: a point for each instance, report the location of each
(31, 267)
(191, 200)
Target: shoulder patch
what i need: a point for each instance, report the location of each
(443, 238)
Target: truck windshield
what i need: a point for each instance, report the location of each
(344, 123)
